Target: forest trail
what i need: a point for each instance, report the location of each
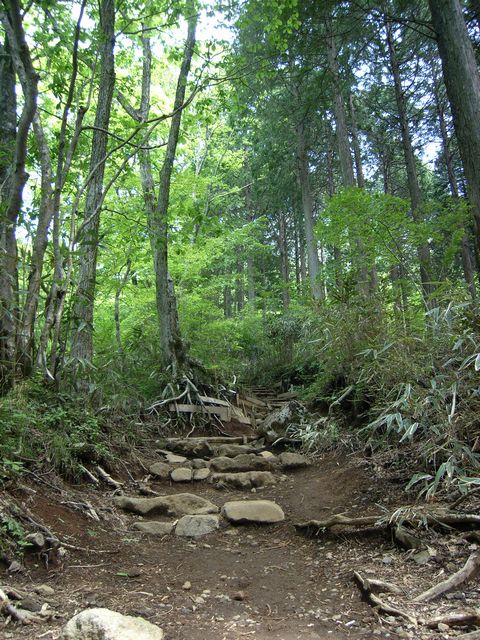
(246, 581)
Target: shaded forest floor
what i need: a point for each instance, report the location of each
(250, 581)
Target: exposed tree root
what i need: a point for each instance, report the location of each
(369, 586)
(469, 570)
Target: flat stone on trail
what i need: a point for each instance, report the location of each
(179, 504)
(154, 528)
(244, 480)
(201, 474)
(262, 511)
(103, 624)
(196, 526)
(160, 469)
(243, 462)
(268, 455)
(181, 475)
(290, 460)
(232, 450)
(199, 463)
(172, 458)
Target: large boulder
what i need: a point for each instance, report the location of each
(244, 480)
(244, 511)
(243, 462)
(103, 624)
(196, 526)
(179, 504)
(276, 424)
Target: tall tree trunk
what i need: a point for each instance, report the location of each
(239, 287)
(356, 145)
(416, 198)
(284, 267)
(462, 80)
(250, 257)
(345, 155)
(15, 179)
(466, 254)
(82, 337)
(172, 348)
(307, 202)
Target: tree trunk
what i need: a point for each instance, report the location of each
(311, 242)
(284, 267)
(462, 80)
(345, 157)
(356, 146)
(466, 254)
(172, 348)
(15, 177)
(82, 338)
(416, 198)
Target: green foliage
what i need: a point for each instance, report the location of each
(40, 427)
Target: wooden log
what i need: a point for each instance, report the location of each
(469, 570)
(456, 619)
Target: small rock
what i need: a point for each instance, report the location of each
(199, 600)
(240, 596)
(103, 624)
(181, 475)
(36, 539)
(187, 585)
(441, 626)
(201, 474)
(44, 590)
(160, 470)
(268, 455)
(199, 463)
(290, 460)
(262, 511)
(154, 528)
(195, 526)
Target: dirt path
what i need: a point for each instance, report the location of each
(245, 582)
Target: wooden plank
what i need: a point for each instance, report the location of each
(224, 413)
(218, 401)
(255, 401)
(289, 395)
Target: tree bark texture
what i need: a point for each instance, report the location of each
(416, 197)
(462, 80)
(82, 337)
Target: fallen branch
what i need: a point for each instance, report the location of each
(414, 517)
(368, 586)
(461, 619)
(468, 571)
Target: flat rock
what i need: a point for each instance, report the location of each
(173, 458)
(268, 455)
(181, 475)
(103, 624)
(179, 504)
(196, 526)
(154, 528)
(262, 511)
(244, 480)
(200, 463)
(243, 462)
(201, 474)
(190, 448)
(44, 590)
(232, 450)
(160, 470)
(290, 460)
